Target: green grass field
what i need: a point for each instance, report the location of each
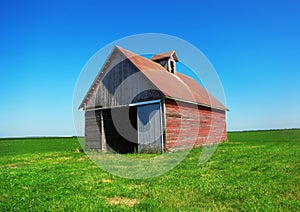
(253, 171)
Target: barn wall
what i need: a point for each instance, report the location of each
(212, 127)
(93, 135)
(120, 83)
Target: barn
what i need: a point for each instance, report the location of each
(136, 104)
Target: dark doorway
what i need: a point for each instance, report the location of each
(120, 128)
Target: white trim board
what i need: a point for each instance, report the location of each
(130, 105)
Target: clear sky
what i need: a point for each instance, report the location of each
(253, 45)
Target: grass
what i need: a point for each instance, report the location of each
(253, 171)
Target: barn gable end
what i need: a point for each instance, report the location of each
(120, 83)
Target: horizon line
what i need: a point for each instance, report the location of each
(74, 136)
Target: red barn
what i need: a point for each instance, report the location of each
(145, 105)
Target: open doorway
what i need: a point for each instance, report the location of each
(125, 139)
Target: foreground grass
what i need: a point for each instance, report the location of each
(252, 171)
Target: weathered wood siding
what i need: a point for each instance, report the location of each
(183, 127)
(93, 130)
(121, 84)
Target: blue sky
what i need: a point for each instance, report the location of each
(253, 45)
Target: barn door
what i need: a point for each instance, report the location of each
(149, 124)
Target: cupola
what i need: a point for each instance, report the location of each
(167, 60)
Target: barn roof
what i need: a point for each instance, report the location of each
(173, 86)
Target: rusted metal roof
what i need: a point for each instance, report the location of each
(165, 55)
(178, 86)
